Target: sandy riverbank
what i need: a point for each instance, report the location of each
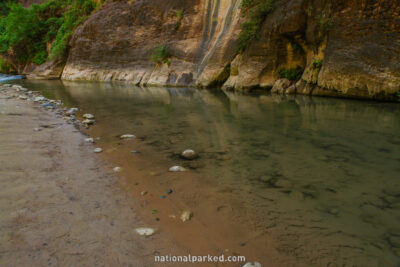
(60, 204)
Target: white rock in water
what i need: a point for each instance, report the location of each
(252, 264)
(39, 98)
(88, 116)
(97, 150)
(23, 97)
(189, 154)
(186, 215)
(117, 169)
(89, 140)
(145, 231)
(88, 122)
(177, 169)
(128, 136)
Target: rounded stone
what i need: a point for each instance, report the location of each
(189, 154)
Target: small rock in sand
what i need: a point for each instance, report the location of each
(22, 97)
(128, 136)
(177, 169)
(189, 154)
(37, 129)
(97, 150)
(88, 116)
(145, 231)
(186, 215)
(143, 193)
(117, 169)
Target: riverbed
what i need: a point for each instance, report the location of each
(285, 180)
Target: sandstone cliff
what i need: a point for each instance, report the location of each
(345, 47)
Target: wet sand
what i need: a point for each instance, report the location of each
(60, 205)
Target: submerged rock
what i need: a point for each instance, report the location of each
(146, 231)
(97, 150)
(177, 169)
(189, 154)
(128, 136)
(186, 215)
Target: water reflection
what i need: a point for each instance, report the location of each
(317, 168)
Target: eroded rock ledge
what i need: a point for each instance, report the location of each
(345, 47)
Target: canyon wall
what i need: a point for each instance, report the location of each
(345, 47)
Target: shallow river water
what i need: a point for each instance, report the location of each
(323, 172)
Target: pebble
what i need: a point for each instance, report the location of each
(145, 231)
(71, 111)
(128, 136)
(39, 98)
(23, 97)
(37, 129)
(170, 191)
(252, 264)
(117, 169)
(177, 169)
(135, 152)
(97, 150)
(143, 193)
(47, 105)
(88, 122)
(333, 211)
(189, 154)
(88, 116)
(89, 140)
(186, 215)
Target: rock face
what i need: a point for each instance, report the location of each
(116, 43)
(345, 47)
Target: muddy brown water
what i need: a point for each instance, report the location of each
(287, 181)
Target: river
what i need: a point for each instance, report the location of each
(314, 179)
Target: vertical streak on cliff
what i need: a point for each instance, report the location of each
(210, 24)
(206, 51)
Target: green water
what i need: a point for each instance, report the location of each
(324, 170)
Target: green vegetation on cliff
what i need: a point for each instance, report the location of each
(160, 55)
(40, 32)
(254, 12)
(291, 74)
